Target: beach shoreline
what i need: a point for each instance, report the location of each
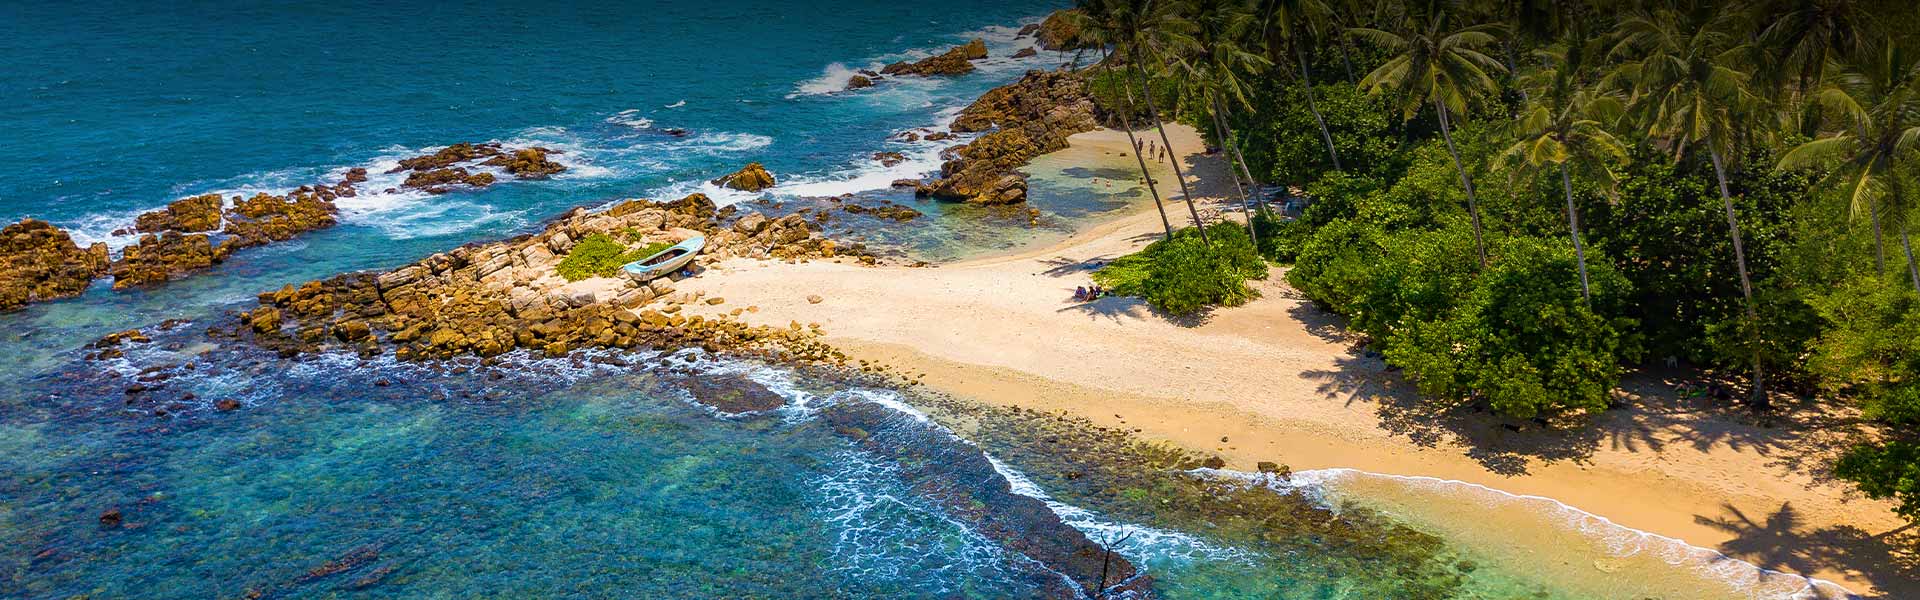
(1278, 380)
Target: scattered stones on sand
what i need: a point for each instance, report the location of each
(751, 178)
(41, 262)
(1024, 119)
(957, 61)
(814, 299)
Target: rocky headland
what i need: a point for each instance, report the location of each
(40, 262)
(1023, 120)
(957, 61)
(491, 298)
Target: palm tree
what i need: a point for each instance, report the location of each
(1880, 107)
(1803, 37)
(1687, 71)
(1099, 23)
(1215, 62)
(1564, 126)
(1285, 24)
(1438, 66)
(1150, 33)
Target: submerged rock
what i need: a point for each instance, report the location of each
(732, 394)
(40, 262)
(751, 178)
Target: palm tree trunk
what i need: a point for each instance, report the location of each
(1161, 125)
(1573, 223)
(1879, 247)
(1306, 82)
(1346, 58)
(1226, 150)
(1466, 181)
(1913, 270)
(1126, 122)
(1760, 401)
(1252, 184)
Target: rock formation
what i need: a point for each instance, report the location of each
(186, 215)
(751, 178)
(957, 61)
(1026, 53)
(487, 299)
(1027, 118)
(159, 257)
(40, 262)
(528, 163)
(859, 81)
(1059, 31)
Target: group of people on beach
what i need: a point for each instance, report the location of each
(1088, 293)
(1150, 149)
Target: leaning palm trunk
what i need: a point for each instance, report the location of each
(1220, 131)
(1126, 122)
(1906, 241)
(1161, 125)
(1879, 247)
(1760, 401)
(1306, 82)
(1573, 223)
(1466, 181)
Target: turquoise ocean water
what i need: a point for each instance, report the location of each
(580, 477)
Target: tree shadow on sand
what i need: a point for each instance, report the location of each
(1780, 541)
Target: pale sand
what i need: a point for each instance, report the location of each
(1278, 382)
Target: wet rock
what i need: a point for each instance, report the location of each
(449, 156)
(1027, 52)
(908, 136)
(889, 158)
(751, 178)
(130, 336)
(906, 183)
(226, 404)
(158, 258)
(528, 163)
(1027, 30)
(111, 519)
(886, 210)
(40, 262)
(957, 61)
(435, 181)
(859, 81)
(186, 215)
(1024, 119)
(733, 394)
(939, 136)
(267, 218)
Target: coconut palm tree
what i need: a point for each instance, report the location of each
(1286, 24)
(1803, 37)
(1688, 73)
(1150, 35)
(1215, 61)
(1444, 68)
(1879, 104)
(1564, 127)
(1100, 25)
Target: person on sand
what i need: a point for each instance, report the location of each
(1079, 293)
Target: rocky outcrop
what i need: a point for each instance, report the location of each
(751, 178)
(1025, 119)
(859, 81)
(159, 257)
(40, 262)
(449, 156)
(266, 218)
(1027, 52)
(1060, 31)
(957, 61)
(435, 181)
(888, 159)
(528, 163)
(886, 210)
(487, 299)
(186, 215)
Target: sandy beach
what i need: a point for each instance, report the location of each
(1279, 380)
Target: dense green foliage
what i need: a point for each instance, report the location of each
(1529, 202)
(601, 256)
(1182, 275)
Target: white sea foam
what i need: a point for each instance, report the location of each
(1619, 541)
(630, 118)
(677, 104)
(832, 79)
(1143, 544)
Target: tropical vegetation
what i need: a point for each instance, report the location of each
(1518, 203)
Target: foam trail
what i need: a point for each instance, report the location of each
(1144, 545)
(832, 79)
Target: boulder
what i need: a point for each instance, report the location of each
(859, 81)
(889, 158)
(528, 163)
(1060, 31)
(1027, 52)
(751, 178)
(751, 223)
(41, 262)
(957, 61)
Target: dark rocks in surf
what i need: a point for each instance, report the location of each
(41, 262)
(957, 477)
(449, 156)
(1024, 119)
(888, 159)
(1027, 52)
(528, 163)
(886, 210)
(957, 61)
(157, 258)
(186, 215)
(435, 181)
(732, 395)
(859, 81)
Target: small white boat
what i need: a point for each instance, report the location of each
(664, 262)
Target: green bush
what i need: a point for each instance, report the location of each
(1522, 339)
(601, 256)
(1282, 138)
(1183, 275)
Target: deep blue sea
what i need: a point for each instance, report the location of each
(577, 478)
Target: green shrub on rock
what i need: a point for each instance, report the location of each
(601, 256)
